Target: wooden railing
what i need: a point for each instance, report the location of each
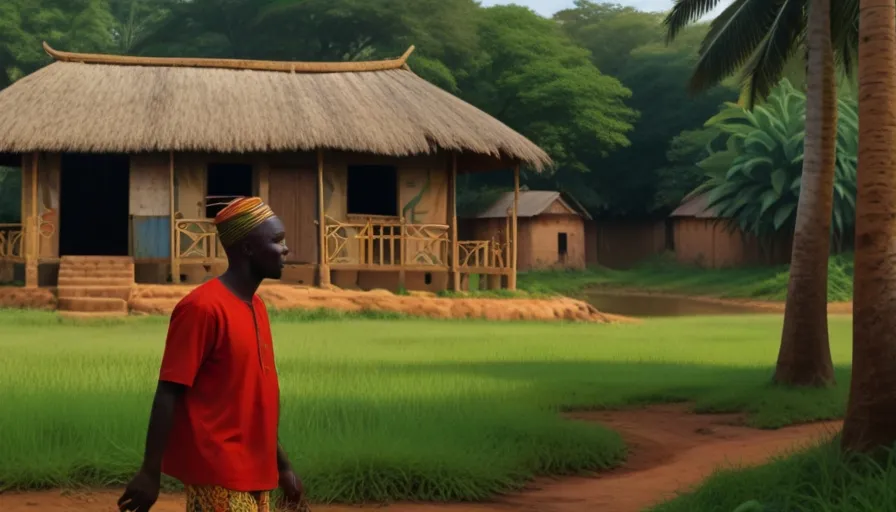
(12, 242)
(196, 241)
(483, 254)
(387, 243)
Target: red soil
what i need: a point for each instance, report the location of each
(161, 299)
(672, 450)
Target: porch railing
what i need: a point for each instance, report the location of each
(196, 241)
(372, 243)
(483, 254)
(383, 243)
(12, 242)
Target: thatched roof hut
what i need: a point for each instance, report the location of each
(105, 103)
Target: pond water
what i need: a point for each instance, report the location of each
(643, 305)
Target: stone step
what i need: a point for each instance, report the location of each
(94, 281)
(111, 292)
(67, 272)
(92, 305)
(91, 315)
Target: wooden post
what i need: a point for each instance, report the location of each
(511, 279)
(402, 250)
(31, 227)
(175, 260)
(323, 265)
(452, 196)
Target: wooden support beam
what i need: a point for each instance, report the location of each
(175, 260)
(511, 279)
(452, 205)
(31, 227)
(323, 265)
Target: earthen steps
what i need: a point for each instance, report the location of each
(94, 286)
(92, 304)
(100, 292)
(95, 281)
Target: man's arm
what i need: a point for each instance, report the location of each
(161, 418)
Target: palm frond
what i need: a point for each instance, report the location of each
(765, 67)
(685, 12)
(732, 38)
(845, 33)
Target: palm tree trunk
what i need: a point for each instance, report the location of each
(871, 414)
(804, 358)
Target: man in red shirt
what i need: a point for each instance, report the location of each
(216, 411)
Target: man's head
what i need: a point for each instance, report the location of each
(253, 238)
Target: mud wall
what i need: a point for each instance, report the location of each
(539, 242)
(620, 244)
(711, 243)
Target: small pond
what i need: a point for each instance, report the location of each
(643, 305)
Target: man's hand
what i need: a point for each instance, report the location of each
(141, 493)
(293, 491)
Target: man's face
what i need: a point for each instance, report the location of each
(267, 249)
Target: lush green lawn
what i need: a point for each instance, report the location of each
(380, 409)
(816, 480)
(662, 274)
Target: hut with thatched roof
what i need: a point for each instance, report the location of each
(131, 157)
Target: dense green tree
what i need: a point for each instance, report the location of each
(625, 182)
(683, 174)
(74, 25)
(536, 80)
(610, 31)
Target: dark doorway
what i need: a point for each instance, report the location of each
(226, 182)
(93, 205)
(372, 190)
(562, 248)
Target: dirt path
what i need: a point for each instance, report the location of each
(761, 306)
(672, 450)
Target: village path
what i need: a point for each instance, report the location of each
(671, 451)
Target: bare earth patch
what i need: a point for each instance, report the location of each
(671, 451)
(160, 300)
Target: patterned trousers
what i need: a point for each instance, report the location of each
(218, 499)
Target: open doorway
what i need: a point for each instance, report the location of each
(93, 205)
(562, 247)
(225, 183)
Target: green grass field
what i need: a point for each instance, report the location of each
(820, 479)
(397, 409)
(663, 274)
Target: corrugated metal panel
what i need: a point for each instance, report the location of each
(151, 236)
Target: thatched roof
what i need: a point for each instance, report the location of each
(105, 103)
(532, 204)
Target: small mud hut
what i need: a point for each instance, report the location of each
(551, 228)
(126, 160)
(701, 237)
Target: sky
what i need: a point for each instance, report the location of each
(549, 7)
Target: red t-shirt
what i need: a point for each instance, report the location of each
(225, 427)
